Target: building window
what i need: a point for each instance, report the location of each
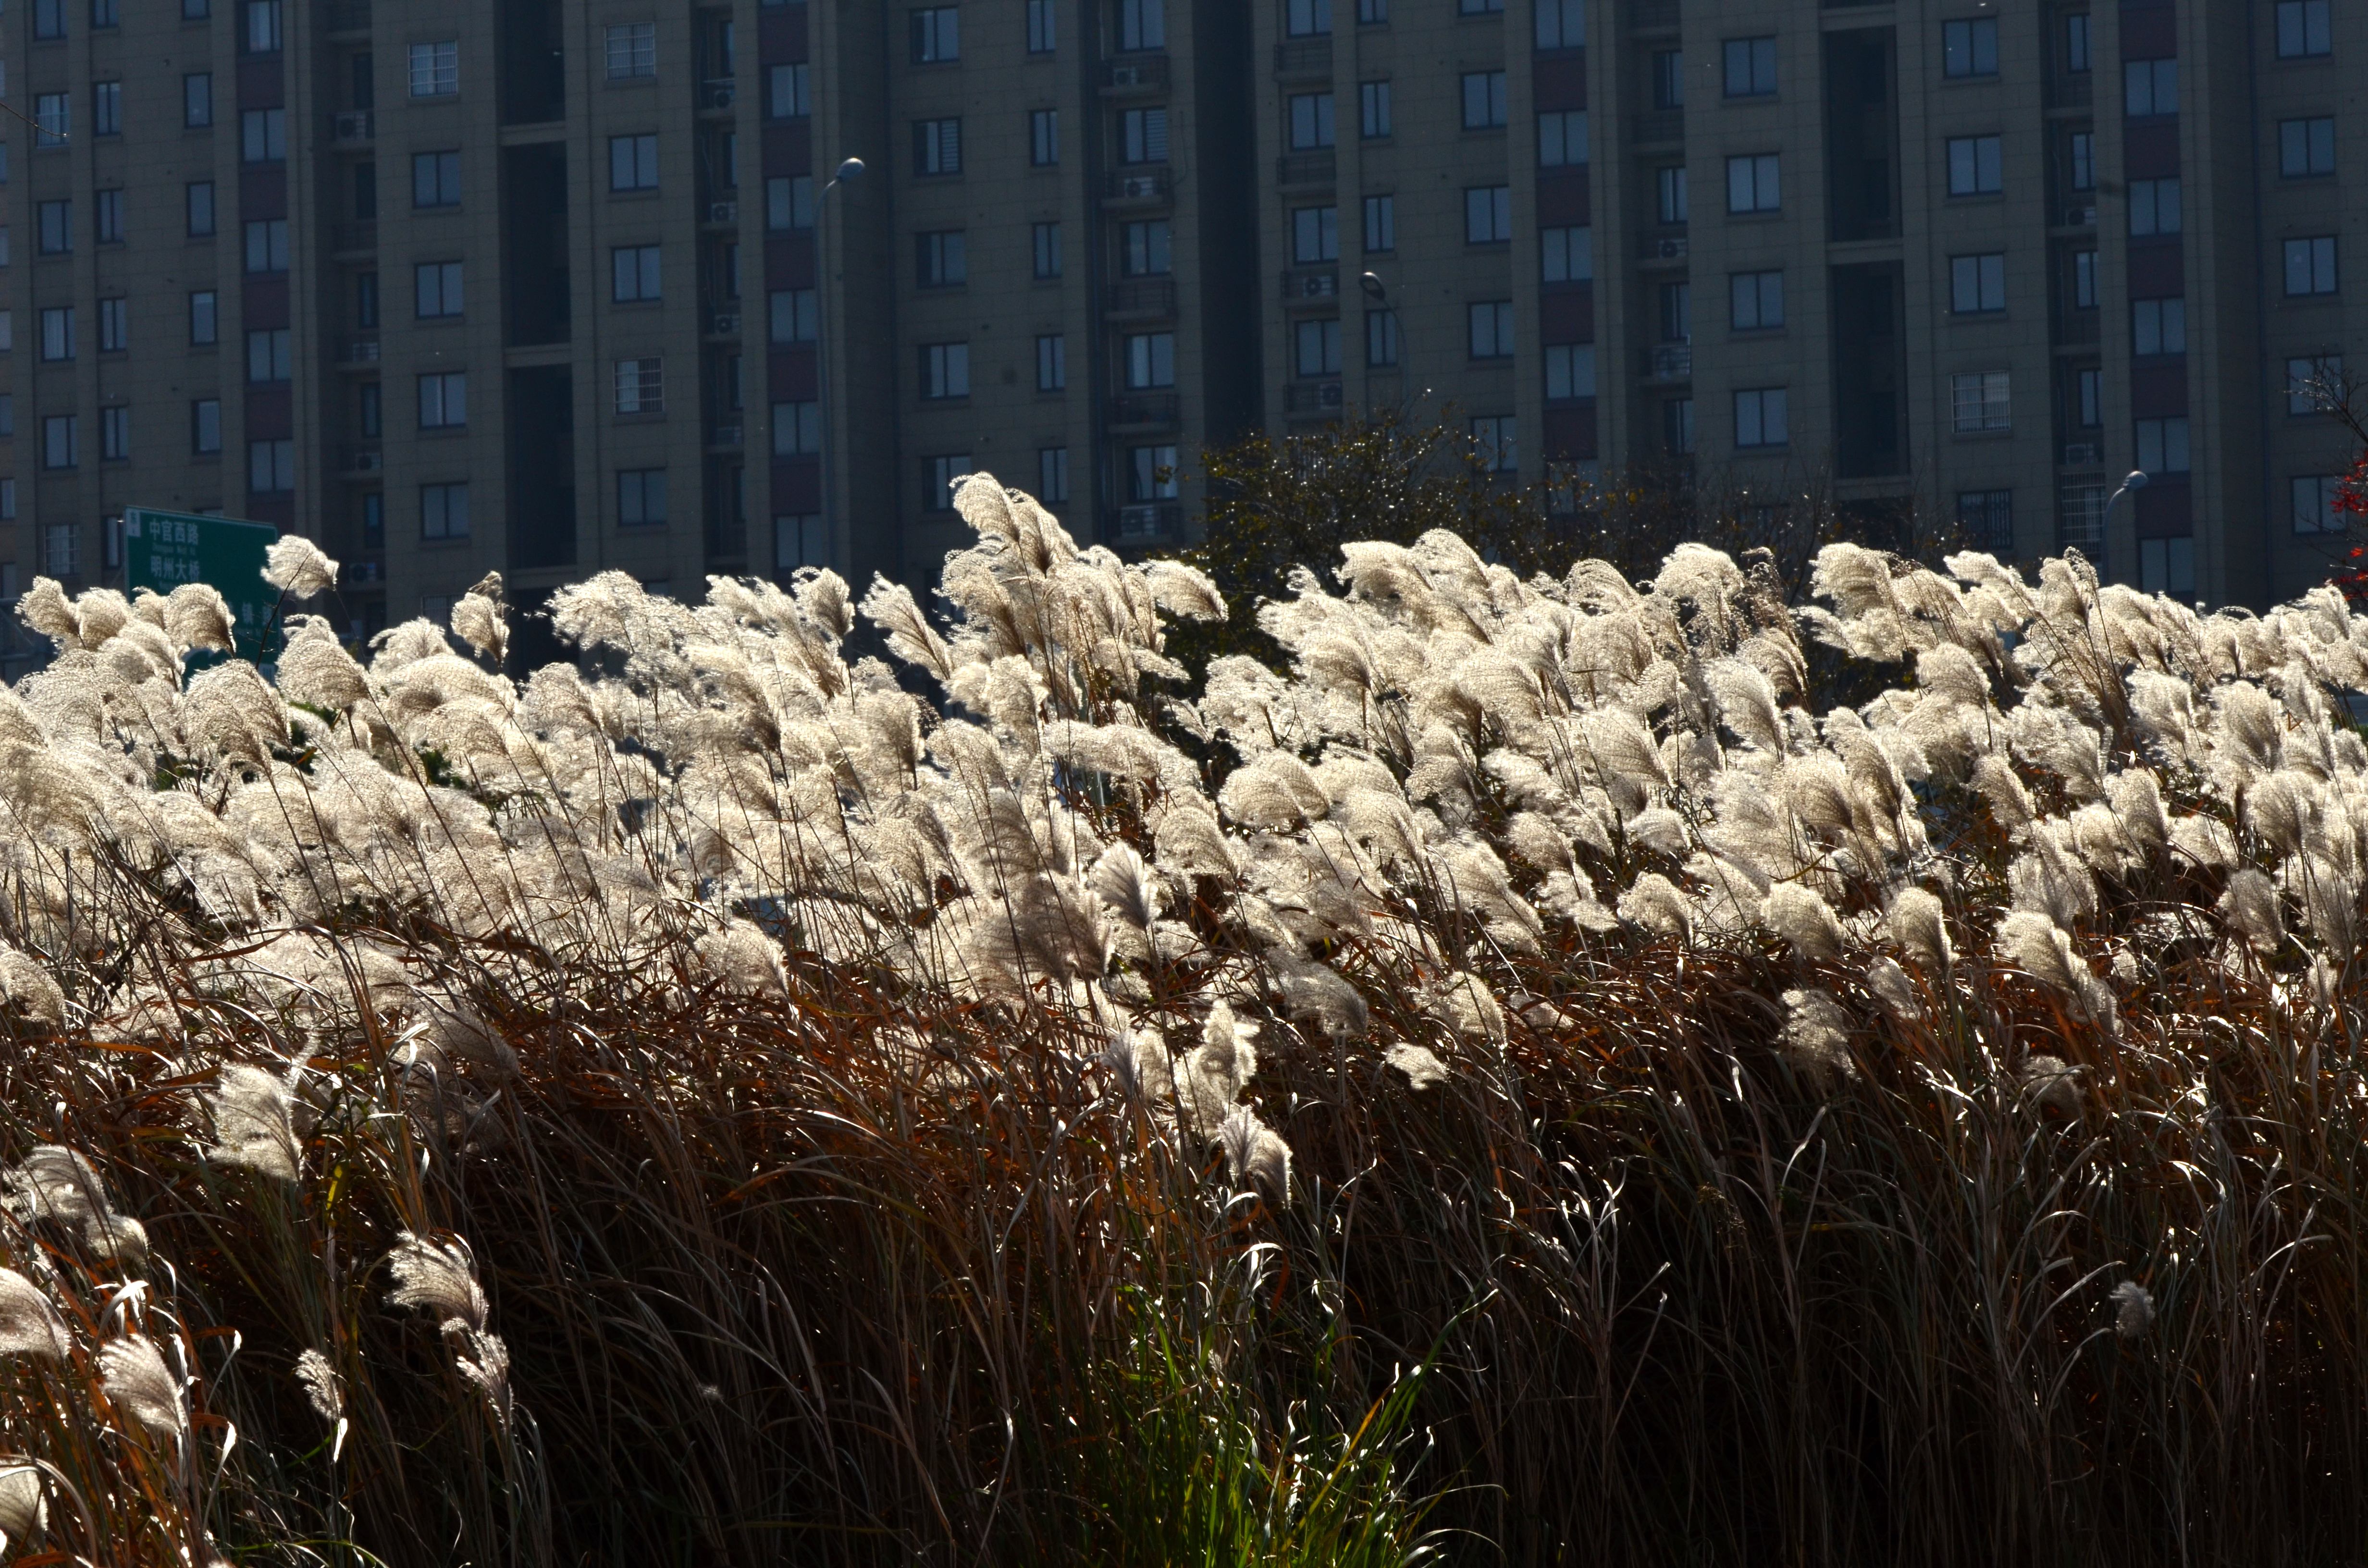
(1562, 137)
(270, 467)
(443, 511)
(2314, 385)
(107, 215)
(937, 146)
(107, 108)
(785, 92)
(370, 409)
(53, 119)
(2077, 57)
(633, 50)
(1752, 184)
(633, 162)
(435, 69)
(793, 313)
(1141, 24)
(937, 35)
(197, 210)
(1316, 348)
(2089, 398)
(641, 497)
(444, 401)
(1381, 338)
(1489, 327)
(1148, 249)
(1052, 474)
(1761, 418)
(1373, 110)
(2082, 147)
(2303, 29)
(945, 370)
(48, 18)
(4, 244)
(941, 260)
(2310, 266)
(1052, 362)
(57, 332)
(1978, 284)
(2157, 326)
(1981, 401)
(641, 386)
(366, 300)
(1043, 34)
(2154, 206)
(2306, 147)
(1315, 234)
(1570, 371)
(1970, 49)
(2162, 446)
(2315, 510)
(267, 246)
(1492, 439)
(62, 557)
(1142, 136)
(2167, 566)
(435, 288)
(61, 441)
(205, 428)
(797, 429)
(944, 473)
(1150, 361)
(436, 176)
(1043, 138)
(1479, 8)
(1561, 24)
(1756, 300)
(1668, 79)
(1307, 18)
(1750, 67)
(1151, 473)
(114, 325)
(115, 435)
(1381, 224)
(203, 317)
(1678, 425)
(1485, 103)
(1487, 214)
(263, 27)
(634, 274)
(798, 541)
(197, 100)
(2149, 87)
(55, 221)
(789, 203)
(1669, 193)
(1311, 121)
(1044, 248)
(1567, 255)
(1976, 165)
(1986, 519)
(263, 135)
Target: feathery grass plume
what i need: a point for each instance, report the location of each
(1255, 1153)
(29, 1324)
(1815, 1036)
(31, 988)
(324, 1390)
(477, 619)
(438, 1276)
(296, 566)
(1655, 902)
(1800, 916)
(2043, 950)
(1918, 924)
(1893, 990)
(2132, 1310)
(196, 616)
(24, 1505)
(2053, 1086)
(2250, 906)
(1217, 1069)
(1463, 1003)
(253, 1121)
(1125, 885)
(140, 1384)
(1421, 1065)
(1317, 991)
(744, 959)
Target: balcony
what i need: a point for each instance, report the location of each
(361, 463)
(1310, 285)
(357, 351)
(1142, 412)
(1312, 397)
(347, 17)
(1149, 184)
(1658, 128)
(717, 92)
(1306, 168)
(355, 239)
(1150, 520)
(1669, 363)
(1304, 59)
(354, 128)
(1139, 298)
(1664, 249)
(1133, 73)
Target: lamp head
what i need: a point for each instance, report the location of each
(1375, 289)
(2136, 480)
(849, 171)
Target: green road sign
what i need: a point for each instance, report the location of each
(163, 550)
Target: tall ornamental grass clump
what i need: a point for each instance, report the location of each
(1535, 1079)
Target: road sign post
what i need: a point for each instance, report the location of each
(163, 550)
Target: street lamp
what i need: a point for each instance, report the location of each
(1378, 293)
(849, 170)
(2130, 487)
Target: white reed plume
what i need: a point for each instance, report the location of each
(2043, 950)
(1817, 1034)
(2132, 1310)
(253, 1121)
(29, 1324)
(1918, 924)
(1421, 1064)
(27, 986)
(2250, 906)
(438, 1276)
(2053, 1085)
(24, 1504)
(140, 1384)
(296, 566)
(1255, 1153)
(1798, 914)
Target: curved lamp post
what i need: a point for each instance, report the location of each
(849, 170)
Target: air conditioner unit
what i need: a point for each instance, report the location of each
(364, 572)
(726, 435)
(723, 212)
(354, 125)
(1671, 248)
(1126, 76)
(727, 324)
(1319, 285)
(2081, 217)
(1329, 395)
(366, 462)
(1139, 187)
(2082, 454)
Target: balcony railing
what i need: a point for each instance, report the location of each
(1306, 284)
(1669, 363)
(1311, 397)
(357, 351)
(1142, 297)
(1307, 168)
(1152, 519)
(354, 128)
(1145, 410)
(1134, 73)
(1304, 57)
(1147, 183)
(725, 435)
(2084, 454)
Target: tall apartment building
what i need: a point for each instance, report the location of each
(559, 285)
